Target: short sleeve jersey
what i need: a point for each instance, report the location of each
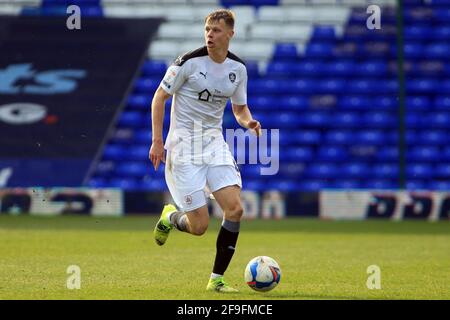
(201, 89)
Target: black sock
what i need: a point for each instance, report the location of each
(225, 245)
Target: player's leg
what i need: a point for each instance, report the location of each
(194, 222)
(186, 183)
(226, 183)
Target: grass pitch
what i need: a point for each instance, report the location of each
(319, 259)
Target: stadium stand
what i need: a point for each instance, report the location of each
(317, 73)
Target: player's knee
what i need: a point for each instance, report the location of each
(235, 213)
(199, 229)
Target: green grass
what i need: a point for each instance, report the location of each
(319, 259)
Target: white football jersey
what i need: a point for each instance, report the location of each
(201, 89)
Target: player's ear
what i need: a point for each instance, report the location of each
(231, 33)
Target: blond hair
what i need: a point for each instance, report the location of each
(225, 14)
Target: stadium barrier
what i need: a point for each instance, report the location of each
(394, 205)
(329, 204)
(60, 201)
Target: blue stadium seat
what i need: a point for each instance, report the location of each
(442, 33)
(139, 101)
(97, 182)
(427, 154)
(147, 85)
(315, 119)
(292, 170)
(442, 102)
(254, 185)
(132, 119)
(281, 69)
(252, 69)
(347, 184)
(419, 171)
(438, 119)
(154, 68)
(441, 14)
(319, 50)
(385, 170)
(310, 68)
(331, 86)
(251, 171)
(421, 86)
(299, 86)
(340, 68)
(133, 169)
(414, 50)
(285, 51)
(322, 170)
(437, 51)
(434, 137)
(105, 168)
(385, 102)
(371, 69)
(339, 137)
(381, 184)
(152, 184)
(418, 103)
(124, 183)
(444, 86)
(388, 154)
(297, 154)
(323, 33)
(283, 185)
(369, 137)
(138, 152)
(291, 102)
(332, 153)
(446, 154)
(354, 170)
(417, 32)
(439, 185)
(415, 185)
(378, 120)
(442, 171)
(114, 152)
(307, 137)
(263, 102)
(355, 102)
(346, 120)
(314, 184)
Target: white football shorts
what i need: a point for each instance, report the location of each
(188, 183)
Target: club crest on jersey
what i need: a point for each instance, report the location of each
(232, 77)
(188, 199)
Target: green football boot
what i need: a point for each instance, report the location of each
(220, 285)
(163, 227)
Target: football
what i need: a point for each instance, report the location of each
(262, 273)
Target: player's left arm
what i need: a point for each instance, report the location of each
(245, 119)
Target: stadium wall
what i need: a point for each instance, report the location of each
(329, 204)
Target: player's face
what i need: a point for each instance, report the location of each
(217, 34)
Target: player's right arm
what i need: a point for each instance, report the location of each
(156, 154)
(174, 78)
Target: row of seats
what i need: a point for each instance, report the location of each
(150, 184)
(332, 152)
(273, 103)
(379, 142)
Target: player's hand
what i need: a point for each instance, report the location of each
(255, 127)
(156, 154)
